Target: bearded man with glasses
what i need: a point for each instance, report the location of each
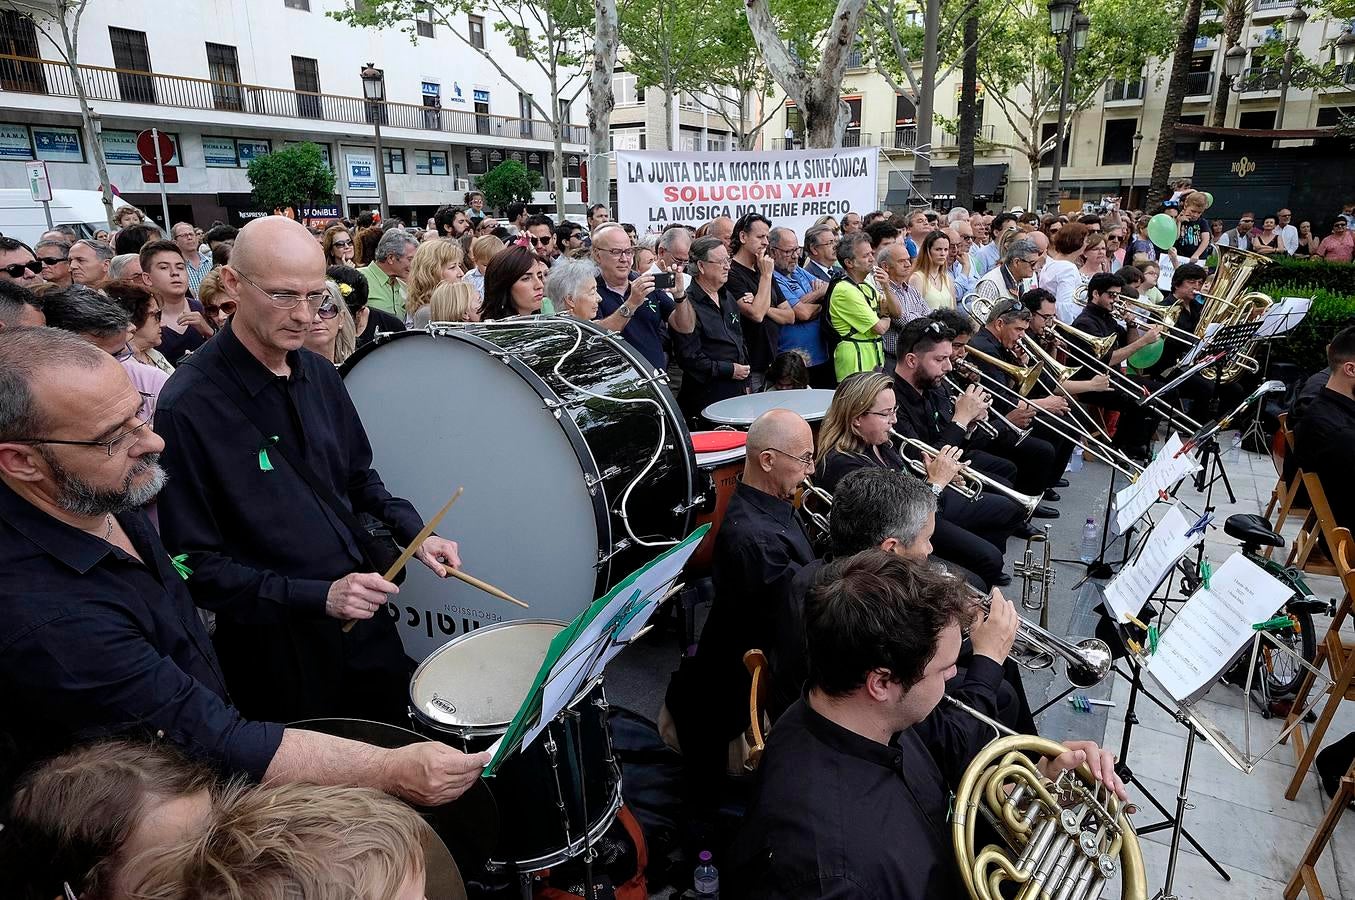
(270, 468)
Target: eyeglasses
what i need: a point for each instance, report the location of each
(540, 241)
(785, 251)
(289, 300)
(622, 253)
(891, 413)
(52, 260)
(807, 460)
(722, 263)
(16, 270)
(342, 244)
(110, 445)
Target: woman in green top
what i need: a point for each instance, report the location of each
(857, 310)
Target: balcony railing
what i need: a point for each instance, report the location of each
(20, 74)
(1199, 84)
(1261, 79)
(1124, 90)
(981, 134)
(903, 137)
(1263, 6)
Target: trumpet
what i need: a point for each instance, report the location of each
(1026, 377)
(818, 518)
(980, 481)
(1087, 662)
(986, 424)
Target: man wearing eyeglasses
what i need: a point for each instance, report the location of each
(821, 253)
(1008, 280)
(197, 263)
(758, 550)
(540, 232)
(270, 467)
(628, 301)
(19, 264)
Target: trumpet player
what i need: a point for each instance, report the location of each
(854, 788)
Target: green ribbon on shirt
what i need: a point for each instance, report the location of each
(266, 464)
(180, 565)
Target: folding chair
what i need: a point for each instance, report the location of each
(1305, 876)
(756, 663)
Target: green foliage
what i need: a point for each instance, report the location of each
(1332, 288)
(294, 176)
(1337, 278)
(510, 180)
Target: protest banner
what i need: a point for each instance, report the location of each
(793, 188)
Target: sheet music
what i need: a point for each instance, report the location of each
(1165, 268)
(1212, 626)
(1163, 546)
(1161, 475)
(1283, 316)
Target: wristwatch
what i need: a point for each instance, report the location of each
(626, 310)
(937, 489)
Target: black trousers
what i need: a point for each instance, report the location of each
(995, 467)
(1033, 458)
(1136, 424)
(974, 534)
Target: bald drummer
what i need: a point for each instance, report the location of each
(277, 553)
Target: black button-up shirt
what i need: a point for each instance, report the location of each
(263, 548)
(1322, 443)
(838, 815)
(836, 465)
(761, 338)
(95, 643)
(927, 415)
(709, 352)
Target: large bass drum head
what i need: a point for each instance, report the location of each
(443, 412)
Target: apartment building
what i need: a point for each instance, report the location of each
(232, 81)
(1101, 157)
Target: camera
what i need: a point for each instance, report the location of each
(664, 281)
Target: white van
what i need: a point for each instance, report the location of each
(24, 220)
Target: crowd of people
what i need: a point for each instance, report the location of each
(186, 494)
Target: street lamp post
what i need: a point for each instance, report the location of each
(374, 89)
(1293, 30)
(1062, 25)
(1134, 168)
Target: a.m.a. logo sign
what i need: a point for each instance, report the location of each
(1243, 167)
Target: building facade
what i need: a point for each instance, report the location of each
(1101, 157)
(231, 81)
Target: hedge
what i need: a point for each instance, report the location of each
(1337, 278)
(1332, 289)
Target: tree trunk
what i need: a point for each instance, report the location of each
(1034, 187)
(669, 112)
(1234, 18)
(969, 126)
(1158, 189)
(601, 100)
(824, 122)
(557, 165)
(922, 164)
(71, 43)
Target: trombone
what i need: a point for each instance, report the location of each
(987, 423)
(1087, 662)
(980, 481)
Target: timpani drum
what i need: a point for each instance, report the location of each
(558, 795)
(811, 403)
(575, 459)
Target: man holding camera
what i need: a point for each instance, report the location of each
(641, 306)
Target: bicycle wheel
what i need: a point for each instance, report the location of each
(1282, 672)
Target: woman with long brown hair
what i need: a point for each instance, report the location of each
(931, 272)
(515, 282)
(1060, 273)
(337, 243)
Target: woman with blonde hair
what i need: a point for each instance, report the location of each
(482, 250)
(435, 262)
(454, 303)
(931, 272)
(333, 333)
(831, 223)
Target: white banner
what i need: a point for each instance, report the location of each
(793, 188)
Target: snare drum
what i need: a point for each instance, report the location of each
(564, 790)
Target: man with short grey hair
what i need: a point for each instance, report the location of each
(821, 253)
(89, 262)
(55, 258)
(387, 273)
(125, 266)
(1008, 278)
(198, 264)
(957, 214)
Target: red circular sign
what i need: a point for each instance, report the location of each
(146, 147)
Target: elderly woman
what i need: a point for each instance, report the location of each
(217, 305)
(332, 333)
(338, 246)
(454, 303)
(572, 289)
(436, 262)
(713, 356)
(144, 309)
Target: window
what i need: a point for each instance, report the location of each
(1117, 147)
(249, 149)
(476, 27)
(628, 138)
(423, 25)
(477, 161)
(430, 162)
(1263, 119)
(853, 136)
(306, 78)
(520, 42)
(324, 151)
(1047, 131)
(55, 144)
(905, 113)
(15, 143)
(393, 160)
(524, 114)
(223, 68)
(297, 4)
(689, 140)
(120, 147)
(718, 142)
(19, 37)
(1185, 152)
(626, 91)
(482, 112)
(131, 55)
(564, 111)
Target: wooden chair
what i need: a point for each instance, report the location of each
(1286, 495)
(1337, 656)
(1305, 876)
(755, 661)
(1307, 553)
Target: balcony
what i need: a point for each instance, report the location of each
(903, 137)
(984, 133)
(1199, 84)
(24, 75)
(1272, 7)
(1256, 80)
(854, 138)
(1120, 91)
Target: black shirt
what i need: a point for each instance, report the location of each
(94, 643)
(1173, 350)
(379, 320)
(762, 337)
(647, 329)
(836, 465)
(174, 344)
(1323, 444)
(927, 415)
(1311, 390)
(263, 548)
(986, 342)
(1099, 323)
(837, 815)
(709, 353)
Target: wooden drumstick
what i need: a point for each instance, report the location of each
(413, 548)
(484, 586)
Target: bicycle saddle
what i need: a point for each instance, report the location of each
(1252, 529)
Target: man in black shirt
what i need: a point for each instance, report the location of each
(751, 272)
(1326, 433)
(98, 636)
(278, 562)
(713, 356)
(883, 637)
(1187, 282)
(758, 549)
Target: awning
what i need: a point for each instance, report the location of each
(987, 180)
(1202, 132)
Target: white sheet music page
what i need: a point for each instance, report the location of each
(1127, 593)
(1283, 316)
(1161, 475)
(1212, 626)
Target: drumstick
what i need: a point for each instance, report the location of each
(413, 548)
(484, 586)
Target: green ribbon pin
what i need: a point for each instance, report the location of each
(266, 464)
(180, 565)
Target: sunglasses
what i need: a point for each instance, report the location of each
(16, 270)
(342, 244)
(538, 241)
(51, 260)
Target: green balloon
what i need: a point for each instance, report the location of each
(1208, 199)
(1162, 231)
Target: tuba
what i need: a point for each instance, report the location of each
(1227, 303)
(1065, 838)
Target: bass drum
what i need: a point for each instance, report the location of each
(575, 459)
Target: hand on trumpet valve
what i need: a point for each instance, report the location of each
(972, 404)
(1100, 761)
(944, 467)
(994, 633)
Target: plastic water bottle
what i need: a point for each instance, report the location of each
(1091, 541)
(1075, 462)
(706, 880)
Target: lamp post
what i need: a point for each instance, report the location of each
(1134, 168)
(1063, 26)
(374, 89)
(1293, 30)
